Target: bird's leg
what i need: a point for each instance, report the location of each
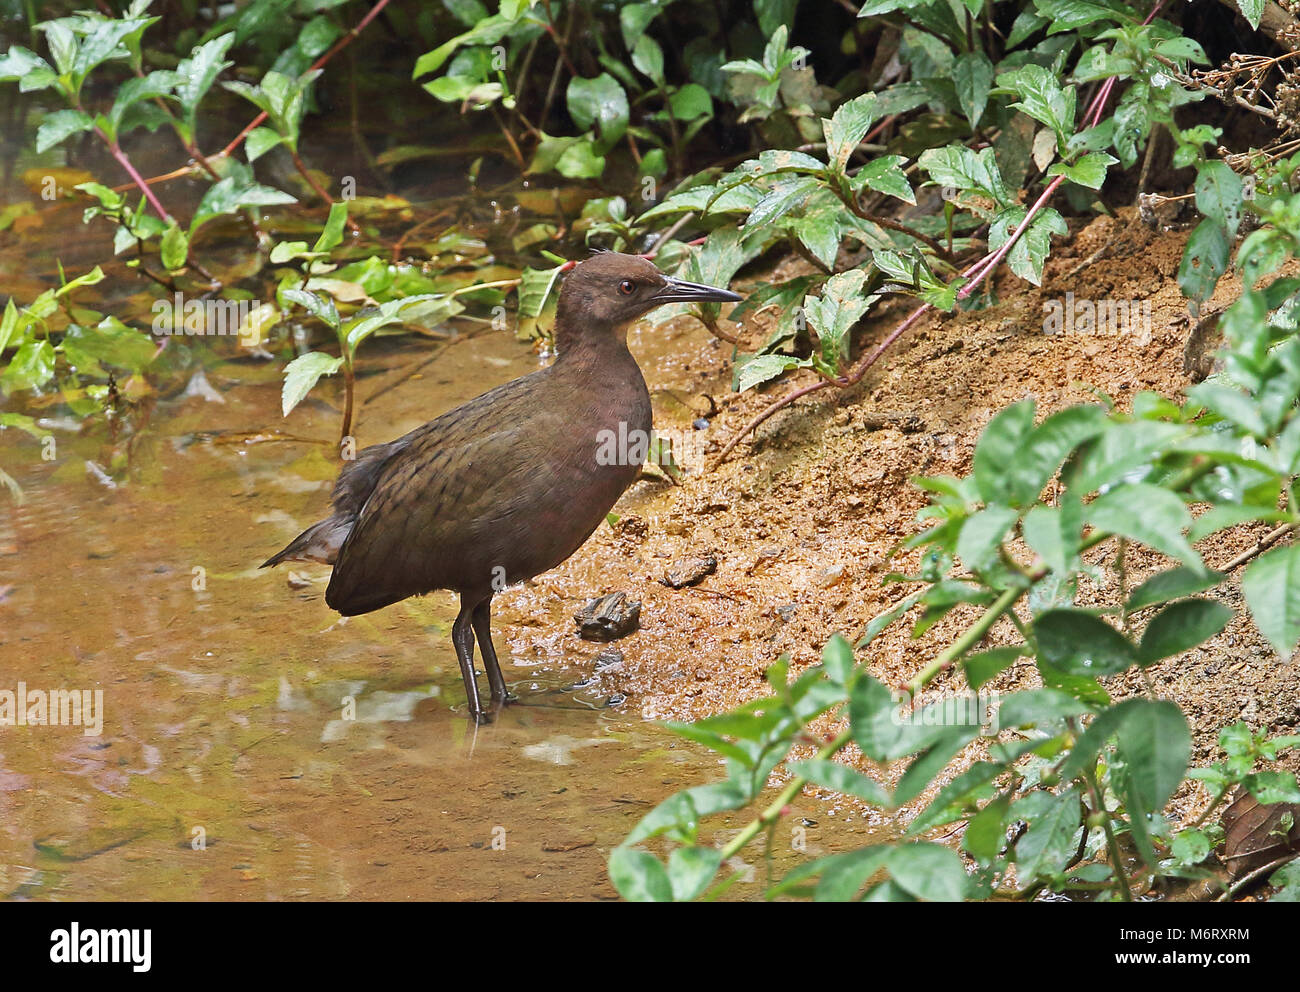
(462, 638)
(483, 628)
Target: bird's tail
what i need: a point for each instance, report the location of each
(320, 542)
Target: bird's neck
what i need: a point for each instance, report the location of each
(596, 351)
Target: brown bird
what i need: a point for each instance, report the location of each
(511, 483)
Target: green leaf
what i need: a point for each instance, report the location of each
(847, 127)
(332, 235)
(690, 102)
(690, 870)
(972, 75)
(8, 325)
(1273, 787)
(648, 58)
(837, 660)
(841, 305)
(981, 536)
(1191, 847)
(535, 288)
(370, 320)
(91, 278)
(1121, 451)
(639, 876)
(1219, 194)
(1253, 11)
(975, 172)
(60, 125)
(1042, 532)
(999, 448)
(599, 102)
(1180, 627)
(1051, 839)
(841, 778)
(1037, 707)
(321, 307)
(1172, 584)
(885, 175)
(929, 871)
(196, 74)
(1042, 97)
(1078, 643)
(174, 248)
(986, 832)
(1156, 744)
(27, 67)
(842, 875)
(874, 721)
(1205, 259)
(982, 668)
(1029, 253)
(581, 161)
(634, 18)
(260, 140)
(956, 797)
(155, 85)
(301, 375)
(1142, 512)
(1271, 586)
(31, 367)
(682, 811)
(231, 194)
(883, 620)
(1089, 171)
(111, 342)
(941, 729)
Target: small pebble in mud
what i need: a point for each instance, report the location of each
(700, 424)
(607, 618)
(616, 699)
(689, 571)
(787, 612)
(828, 577)
(610, 658)
(297, 580)
(631, 526)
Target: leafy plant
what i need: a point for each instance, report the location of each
(1082, 778)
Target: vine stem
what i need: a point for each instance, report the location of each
(972, 636)
(337, 47)
(774, 811)
(320, 190)
(1112, 845)
(1254, 876)
(976, 274)
(1262, 545)
(116, 150)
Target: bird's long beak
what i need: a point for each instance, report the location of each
(681, 291)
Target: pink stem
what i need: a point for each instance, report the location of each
(136, 178)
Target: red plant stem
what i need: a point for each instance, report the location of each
(879, 127)
(136, 178)
(975, 275)
(337, 47)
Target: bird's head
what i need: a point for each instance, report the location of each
(607, 292)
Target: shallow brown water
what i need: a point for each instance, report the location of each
(226, 768)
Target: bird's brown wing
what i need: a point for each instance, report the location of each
(440, 497)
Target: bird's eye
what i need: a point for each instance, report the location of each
(626, 287)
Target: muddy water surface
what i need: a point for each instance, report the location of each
(253, 745)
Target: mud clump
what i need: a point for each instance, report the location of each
(607, 618)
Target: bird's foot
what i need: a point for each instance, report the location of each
(504, 698)
(483, 716)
